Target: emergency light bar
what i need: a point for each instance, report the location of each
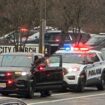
(76, 47)
(80, 47)
(67, 47)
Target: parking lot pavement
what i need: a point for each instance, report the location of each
(90, 96)
(97, 99)
(68, 97)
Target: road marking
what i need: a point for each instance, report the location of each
(65, 99)
(60, 94)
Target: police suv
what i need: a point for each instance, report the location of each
(82, 67)
(15, 75)
(73, 68)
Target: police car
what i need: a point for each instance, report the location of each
(15, 75)
(82, 67)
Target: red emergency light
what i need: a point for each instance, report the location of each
(81, 47)
(23, 29)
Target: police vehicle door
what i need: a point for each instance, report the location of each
(93, 69)
(51, 77)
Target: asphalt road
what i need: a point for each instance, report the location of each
(90, 97)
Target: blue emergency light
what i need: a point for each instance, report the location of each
(67, 47)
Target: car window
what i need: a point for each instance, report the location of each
(101, 56)
(72, 57)
(40, 56)
(16, 61)
(80, 58)
(93, 58)
(54, 61)
(95, 40)
(103, 53)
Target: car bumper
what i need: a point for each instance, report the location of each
(15, 87)
(71, 79)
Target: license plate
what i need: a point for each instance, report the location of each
(2, 85)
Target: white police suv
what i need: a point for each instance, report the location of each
(82, 67)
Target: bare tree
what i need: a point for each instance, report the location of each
(85, 14)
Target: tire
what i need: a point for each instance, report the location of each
(81, 85)
(45, 93)
(30, 93)
(101, 85)
(64, 89)
(27, 94)
(5, 94)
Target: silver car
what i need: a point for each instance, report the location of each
(11, 101)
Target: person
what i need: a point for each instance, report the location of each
(36, 60)
(45, 59)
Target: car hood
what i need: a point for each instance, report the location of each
(13, 69)
(70, 67)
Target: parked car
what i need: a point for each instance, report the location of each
(15, 75)
(11, 101)
(96, 42)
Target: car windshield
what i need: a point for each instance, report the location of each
(95, 40)
(79, 58)
(72, 58)
(53, 37)
(71, 37)
(16, 61)
(54, 61)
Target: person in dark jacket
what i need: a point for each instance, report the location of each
(36, 61)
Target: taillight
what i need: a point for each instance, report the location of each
(9, 82)
(8, 74)
(41, 67)
(65, 71)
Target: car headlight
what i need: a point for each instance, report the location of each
(21, 73)
(24, 73)
(75, 69)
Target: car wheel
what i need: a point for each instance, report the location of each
(27, 94)
(45, 93)
(101, 85)
(81, 85)
(4, 94)
(30, 93)
(64, 89)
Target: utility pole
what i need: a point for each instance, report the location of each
(42, 25)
